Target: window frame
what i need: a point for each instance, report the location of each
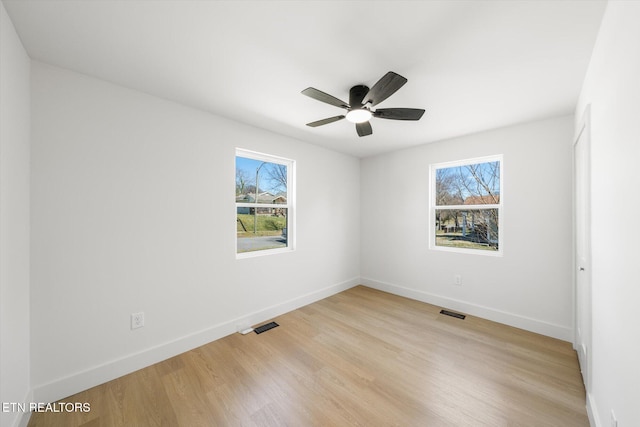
(289, 205)
(433, 207)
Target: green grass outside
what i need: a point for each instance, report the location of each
(268, 225)
(455, 240)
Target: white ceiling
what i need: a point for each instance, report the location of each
(473, 65)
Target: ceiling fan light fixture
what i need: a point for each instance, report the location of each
(359, 115)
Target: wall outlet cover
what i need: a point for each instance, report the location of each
(137, 320)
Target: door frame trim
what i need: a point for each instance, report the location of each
(583, 129)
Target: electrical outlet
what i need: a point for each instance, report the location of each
(457, 280)
(614, 421)
(137, 320)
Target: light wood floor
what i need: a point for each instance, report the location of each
(362, 357)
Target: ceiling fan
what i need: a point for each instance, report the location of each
(361, 99)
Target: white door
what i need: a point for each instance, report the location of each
(583, 250)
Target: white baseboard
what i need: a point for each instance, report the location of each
(511, 319)
(21, 419)
(83, 380)
(97, 375)
(24, 418)
(592, 412)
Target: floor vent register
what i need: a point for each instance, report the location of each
(452, 314)
(266, 327)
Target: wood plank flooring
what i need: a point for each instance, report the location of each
(359, 358)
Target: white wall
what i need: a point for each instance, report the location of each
(133, 210)
(612, 87)
(14, 219)
(531, 285)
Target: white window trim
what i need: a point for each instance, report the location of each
(432, 205)
(290, 205)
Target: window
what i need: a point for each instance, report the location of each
(264, 203)
(466, 206)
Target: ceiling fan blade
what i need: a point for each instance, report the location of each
(399, 113)
(325, 121)
(364, 129)
(324, 97)
(384, 88)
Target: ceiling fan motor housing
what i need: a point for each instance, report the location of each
(356, 95)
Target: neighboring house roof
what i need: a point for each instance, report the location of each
(482, 200)
(265, 197)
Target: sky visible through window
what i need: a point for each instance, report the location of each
(271, 176)
(470, 182)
